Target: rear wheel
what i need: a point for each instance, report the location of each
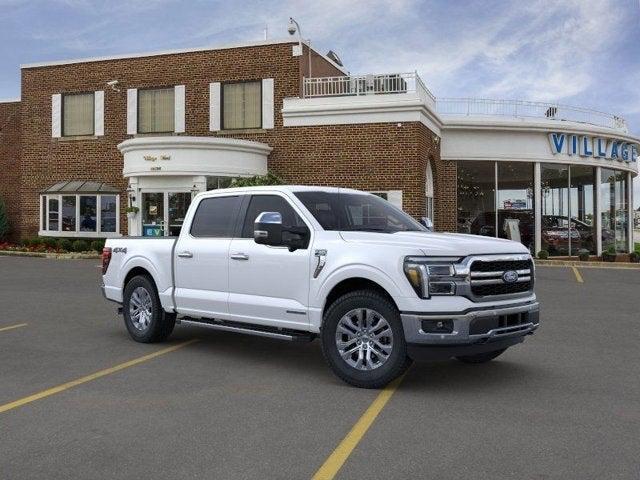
(363, 340)
(481, 357)
(144, 317)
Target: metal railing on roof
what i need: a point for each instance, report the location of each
(527, 109)
(372, 84)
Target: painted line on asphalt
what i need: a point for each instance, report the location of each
(94, 376)
(12, 327)
(333, 464)
(576, 272)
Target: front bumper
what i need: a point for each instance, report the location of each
(476, 330)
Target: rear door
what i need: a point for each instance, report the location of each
(268, 285)
(202, 258)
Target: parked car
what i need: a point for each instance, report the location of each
(295, 263)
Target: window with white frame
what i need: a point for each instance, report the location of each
(242, 105)
(79, 214)
(78, 114)
(394, 197)
(156, 110)
(428, 190)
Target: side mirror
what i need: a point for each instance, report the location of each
(267, 229)
(427, 223)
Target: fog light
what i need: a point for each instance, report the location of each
(437, 326)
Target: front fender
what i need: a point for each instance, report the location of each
(350, 271)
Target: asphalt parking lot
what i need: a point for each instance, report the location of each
(565, 404)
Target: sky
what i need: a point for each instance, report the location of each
(577, 52)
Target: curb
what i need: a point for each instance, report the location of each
(55, 256)
(573, 263)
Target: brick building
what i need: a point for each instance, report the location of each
(90, 137)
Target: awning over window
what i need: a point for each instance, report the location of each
(80, 186)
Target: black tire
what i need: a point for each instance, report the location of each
(160, 324)
(397, 361)
(481, 357)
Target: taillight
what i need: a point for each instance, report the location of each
(106, 259)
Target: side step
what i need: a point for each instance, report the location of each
(249, 329)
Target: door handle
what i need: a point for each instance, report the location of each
(185, 255)
(239, 256)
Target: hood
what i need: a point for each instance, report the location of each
(439, 244)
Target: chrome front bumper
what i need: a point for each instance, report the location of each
(461, 334)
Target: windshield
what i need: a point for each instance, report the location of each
(357, 212)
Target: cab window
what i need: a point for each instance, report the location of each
(215, 217)
(269, 203)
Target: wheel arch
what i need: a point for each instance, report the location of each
(353, 284)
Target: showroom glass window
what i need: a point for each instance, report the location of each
(516, 220)
(156, 110)
(78, 114)
(613, 201)
(214, 183)
(582, 196)
(78, 215)
(554, 179)
(477, 198)
(241, 105)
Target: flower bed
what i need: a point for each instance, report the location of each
(47, 246)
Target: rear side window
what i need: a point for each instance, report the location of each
(269, 203)
(215, 217)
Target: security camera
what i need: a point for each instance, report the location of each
(292, 27)
(113, 84)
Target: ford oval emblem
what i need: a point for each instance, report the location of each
(510, 276)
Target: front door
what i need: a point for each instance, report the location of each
(163, 213)
(268, 285)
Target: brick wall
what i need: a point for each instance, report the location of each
(366, 156)
(444, 179)
(9, 161)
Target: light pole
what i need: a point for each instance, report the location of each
(292, 29)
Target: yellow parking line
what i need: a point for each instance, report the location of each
(4, 329)
(334, 463)
(576, 272)
(94, 376)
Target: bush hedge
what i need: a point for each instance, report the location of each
(80, 246)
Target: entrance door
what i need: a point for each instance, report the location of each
(153, 222)
(163, 213)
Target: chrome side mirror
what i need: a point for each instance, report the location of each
(267, 229)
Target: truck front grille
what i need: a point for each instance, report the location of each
(488, 277)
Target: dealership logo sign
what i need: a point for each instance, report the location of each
(596, 147)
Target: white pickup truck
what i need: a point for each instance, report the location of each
(296, 262)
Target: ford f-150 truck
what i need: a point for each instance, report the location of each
(294, 263)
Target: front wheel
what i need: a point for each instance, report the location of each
(144, 317)
(363, 340)
(481, 357)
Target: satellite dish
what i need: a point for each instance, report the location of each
(334, 57)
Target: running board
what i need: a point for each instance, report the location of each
(249, 329)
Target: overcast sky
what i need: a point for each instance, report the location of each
(580, 52)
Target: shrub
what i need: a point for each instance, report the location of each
(80, 246)
(257, 180)
(65, 244)
(4, 221)
(634, 257)
(583, 254)
(543, 254)
(26, 242)
(49, 242)
(609, 255)
(97, 245)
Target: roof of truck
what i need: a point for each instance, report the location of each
(284, 188)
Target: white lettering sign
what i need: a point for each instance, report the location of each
(597, 147)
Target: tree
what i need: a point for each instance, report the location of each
(256, 181)
(4, 221)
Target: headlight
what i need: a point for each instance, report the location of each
(431, 275)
